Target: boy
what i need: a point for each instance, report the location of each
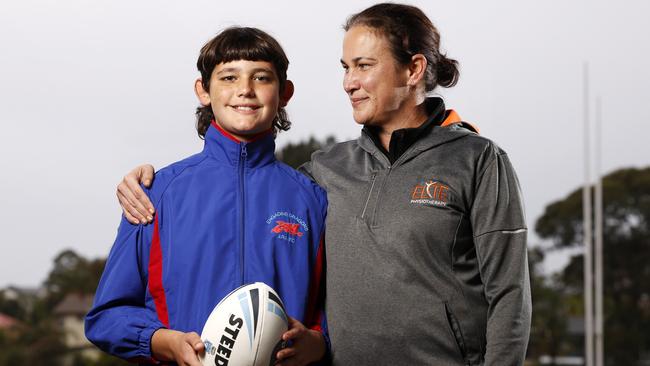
(227, 216)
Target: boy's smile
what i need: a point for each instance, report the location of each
(246, 108)
(244, 95)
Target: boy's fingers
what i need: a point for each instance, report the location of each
(130, 213)
(285, 353)
(195, 341)
(191, 359)
(194, 360)
(291, 334)
(294, 332)
(295, 329)
(291, 362)
(199, 347)
(190, 354)
(293, 322)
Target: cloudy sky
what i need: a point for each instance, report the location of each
(89, 89)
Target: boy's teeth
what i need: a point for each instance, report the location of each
(244, 108)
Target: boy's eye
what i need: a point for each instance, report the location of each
(228, 78)
(265, 78)
(363, 66)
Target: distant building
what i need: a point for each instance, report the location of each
(70, 314)
(15, 292)
(25, 296)
(10, 327)
(9, 324)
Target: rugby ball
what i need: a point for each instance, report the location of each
(245, 328)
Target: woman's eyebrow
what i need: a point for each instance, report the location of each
(357, 59)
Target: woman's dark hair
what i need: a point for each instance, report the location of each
(409, 32)
(241, 43)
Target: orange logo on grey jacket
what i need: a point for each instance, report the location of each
(430, 192)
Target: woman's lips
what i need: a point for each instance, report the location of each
(356, 101)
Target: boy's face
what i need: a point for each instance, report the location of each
(244, 95)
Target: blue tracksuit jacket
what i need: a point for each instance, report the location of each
(228, 216)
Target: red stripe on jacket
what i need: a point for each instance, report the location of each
(155, 277)
(314, 311)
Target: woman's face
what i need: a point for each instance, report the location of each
(374, 82)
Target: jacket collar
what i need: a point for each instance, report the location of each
(402, 139)
(451, 128)
(222, 146)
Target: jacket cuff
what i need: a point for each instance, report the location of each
(327, 358)
(144, 344)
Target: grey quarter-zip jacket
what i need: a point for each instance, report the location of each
(426, 257)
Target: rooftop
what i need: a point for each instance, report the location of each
(74, 304)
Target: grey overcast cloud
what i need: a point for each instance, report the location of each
(90, 89)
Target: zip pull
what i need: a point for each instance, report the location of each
(373, 177)
(244, 151)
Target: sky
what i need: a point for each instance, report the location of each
(90, 89)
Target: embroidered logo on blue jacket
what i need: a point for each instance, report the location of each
(287, 226)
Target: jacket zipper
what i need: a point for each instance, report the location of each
(372, 185)
(373, 221)
(242, 162)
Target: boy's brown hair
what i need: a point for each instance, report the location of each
(241, 43)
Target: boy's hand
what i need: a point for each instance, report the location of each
(135, 203)
(172, 345)
(308, 345)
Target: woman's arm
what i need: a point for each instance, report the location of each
(500, 234)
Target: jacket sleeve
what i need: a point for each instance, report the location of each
(119, 322)
(315, 317)
(500, 232)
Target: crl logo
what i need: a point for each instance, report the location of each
(287, 227)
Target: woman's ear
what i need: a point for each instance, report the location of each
(201, 93)
(417, 69)
(287, 93)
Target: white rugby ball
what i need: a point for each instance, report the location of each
(245, 328)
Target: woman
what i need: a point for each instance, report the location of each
(426, 235)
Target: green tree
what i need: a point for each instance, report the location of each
(72, 273)
(33, 344)
(12, 307)
(295, 155)
(549, 322)
(38, 341)
(626, 258)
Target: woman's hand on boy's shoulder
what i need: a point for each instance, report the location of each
(307, 345)
(172, 345)
(137, 207)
